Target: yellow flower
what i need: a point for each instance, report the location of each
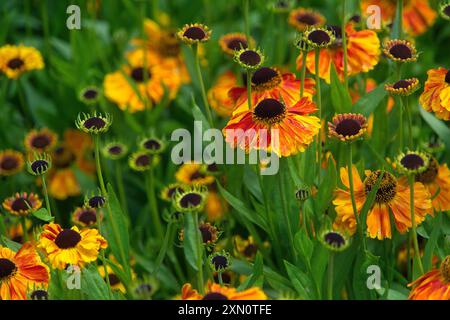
(436, 93)
(11, 162)
(22, 204)
(114, 280)
(40, 140)
(216, 292)
(433, 285)
(15, 60)
(193, 174)
(70, 246)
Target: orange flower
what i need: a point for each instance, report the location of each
(363, 53)
(418, 16)
(271, 83)
(302, 19)
(436, 178)
(436, 93)
(20, 271)
(274, 126)
(216, 292)
(218, 96)
(433, 285)
(393, 195)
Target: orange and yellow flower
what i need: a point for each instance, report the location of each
(274, 126)
(70, 246)
(271, 83)
(436, 93)
(436, 178)
(22, 204)
(40, 141)
(16, 60)
(218, 97)
(20, 271)
(392, 196)
(231, 42)
(216, 292)
(433, 285)
(193, 174)
(302, 19)
(418, 16)
(363, 53)
(11, 162)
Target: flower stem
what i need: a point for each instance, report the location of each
(164, 247)
(359, 223)
(344, 44)
(198, 239)
(249, 90)
(330, 276)
(150, 187)
(413, 223)
(121, 189)
(246, 6)
(302, 74)
(319, 106)
(23, 222)
(400, 127)
(409, 119)
(99, 166)
(202, 86)
(47, 199)
(220, 278)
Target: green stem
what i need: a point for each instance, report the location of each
(330, 276)
(99, 166)
(121, 189)
(198, 239)
(286, 215)
(105, 270)
(164, 247)
(23, 105)
(409, 119)
(303, 73)
(220, 278)
(202, 86)
(249, 90)
(413, 223)
(400, 126)
(344, 44)
(150, 187)
(47, 199)
(23, 222)
(319, 106)
(246, 6)
(359, 223)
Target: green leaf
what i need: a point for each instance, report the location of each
(370, 101)
(437, 125)
(239, 206)
(116, 226)
(370, 199)
(191, 251)
(431, 243)
(92, 284)
(326, 188)
(257, 275)
(304, 246)
(12, 245)
(300, 281)
(340, 98)
(43, 214)
(199, 116)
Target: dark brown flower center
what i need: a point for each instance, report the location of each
(446, 10)
(190, 200)
(214, 296)
(95, 123)
(264, 75)
(334, 239)
(115, 150)
(67, 238)
(207, 236)
(412, 161)
(113, 279)
(401, 51)
(15, 63)
(355, 18)
(195, 33)
(387, 188)
(41, 141)
(430, 174)
(172, 191)
(97, 202)
(21, 204)
(237, 44)
(307, 18)
(250, 58)
(143, 160)
(9, 163)
(269, 110)
(250, 250)
(39, 295)
(336, 30)
(139, 75)
(219, 262)
(445, 269)
(447, 77)
(39, 166)
(402, 84)
(90, 94)
(197, 175)
(7, 268)
(348, 127)
(152, 144)
(319, 37)
(88, 216)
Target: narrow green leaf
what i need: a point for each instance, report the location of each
(191, 251)
(340, 98)
(299, 280)
(256, 276)
(304, 246)
(437, 125)
(370, 101)
(43, 214)
(432, 242)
